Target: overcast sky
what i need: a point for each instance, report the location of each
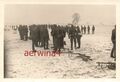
(60, 14)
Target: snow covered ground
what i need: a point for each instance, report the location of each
(97, 46)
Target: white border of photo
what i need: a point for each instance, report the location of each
(99, 2)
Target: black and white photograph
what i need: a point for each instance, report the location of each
(60, 41)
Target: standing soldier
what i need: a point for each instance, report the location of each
(39, 35)
(84, 29)
(113, 38)
(63, 36)
(20, 29)
(26, 32)
(72, 36)
(45, 36)
(53, 34)
(93, 29)
(88, 28)
(34, 36)
(78, 36)
(59, 38)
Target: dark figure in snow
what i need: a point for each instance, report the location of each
(72, 36)
(113, 39)
(84, 29)
(78, 36)
(21, 32)
(93, 29)
(88, 28)
(25, 35)
(45, 36)
(53, 34)
(34, 36)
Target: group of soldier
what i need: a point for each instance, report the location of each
(86, 29)
(40, 36)
(58, 34)
(75, 35)
(23, 32)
